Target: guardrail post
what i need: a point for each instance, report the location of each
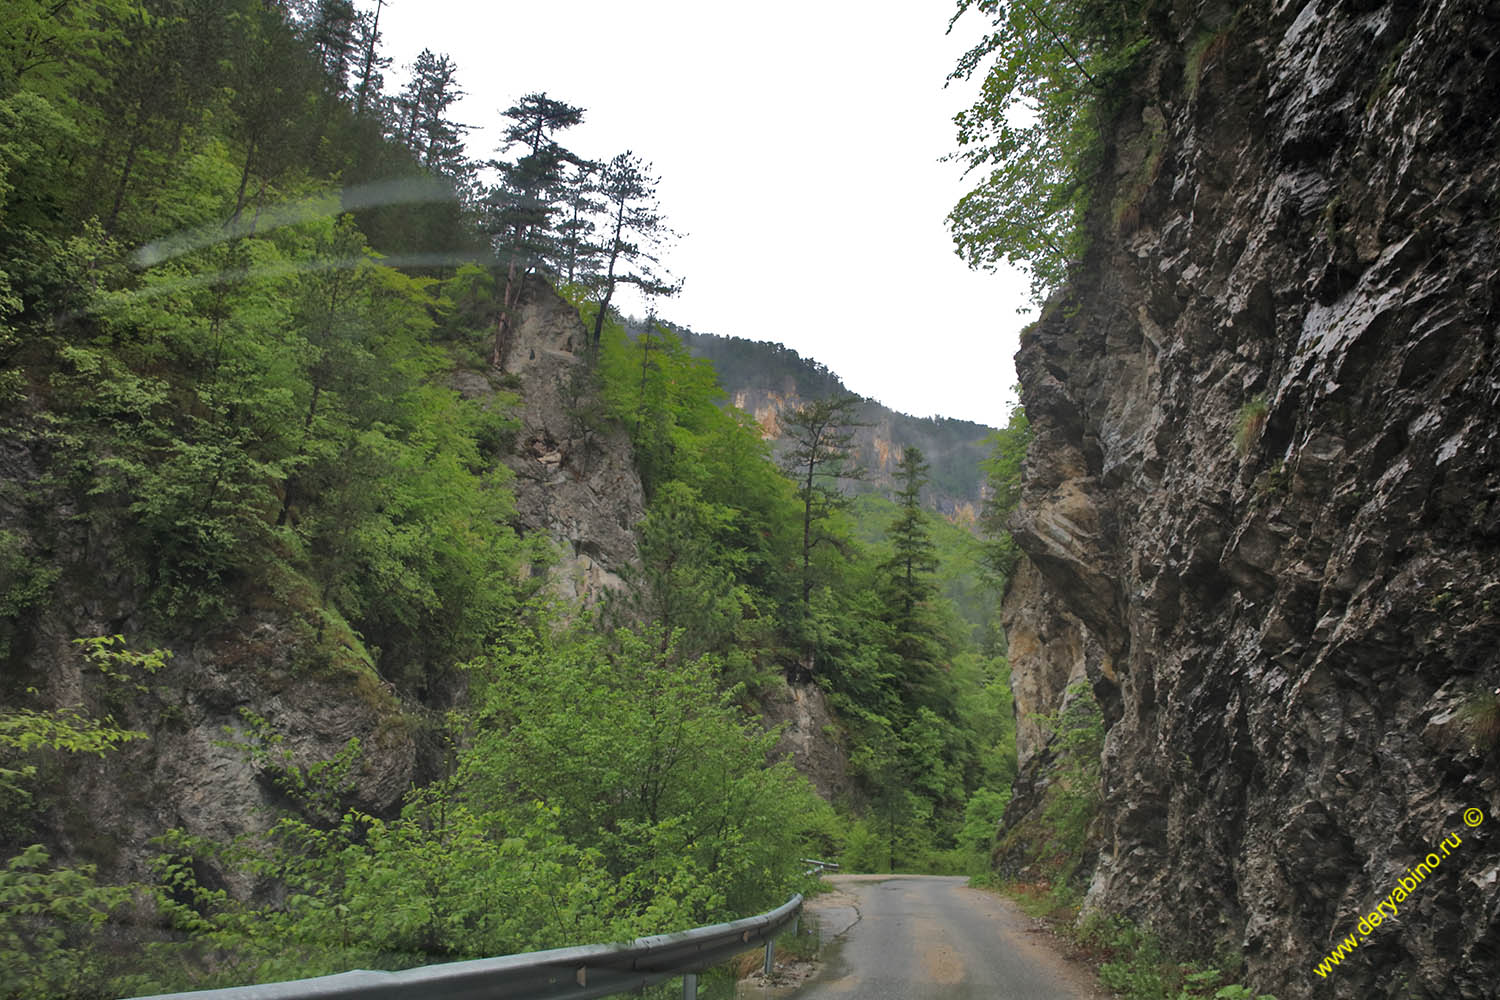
(770, 956)
(798, 919)
(690, 986)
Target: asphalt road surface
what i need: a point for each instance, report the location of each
(909, 937)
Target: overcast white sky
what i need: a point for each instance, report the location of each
(798, 146)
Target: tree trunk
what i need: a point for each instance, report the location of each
(609, 277)
(508, 300)
(125, 171)
(239, 196)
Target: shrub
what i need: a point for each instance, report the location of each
(1249, 423)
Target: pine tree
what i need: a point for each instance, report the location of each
(422, 123)
(636, 229)
(577, 254)
(822, 432)
(372, 65)
(335, 35)
(519, 209)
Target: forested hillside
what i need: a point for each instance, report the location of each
(307, 412)
(769, 380)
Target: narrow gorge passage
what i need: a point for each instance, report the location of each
(919, 936)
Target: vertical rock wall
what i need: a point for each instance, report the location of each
(575, 482)
(1266, 480)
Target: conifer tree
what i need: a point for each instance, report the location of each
(372, 64)
(914, 559)
(519, 209)
(636, 229)
(422, 107)
(578, 256)
(822, 432)
(335, 35)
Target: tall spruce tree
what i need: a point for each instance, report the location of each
(914, 558)
(909, 583)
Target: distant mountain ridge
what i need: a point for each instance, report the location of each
(767, 379)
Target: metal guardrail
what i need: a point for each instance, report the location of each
(819, 866)
(595, 970)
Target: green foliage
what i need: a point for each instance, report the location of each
(717, 538)
(1033, 134)
(1003, 475)
(982, 815)
(599, 788)
(1138, 966)
(1248, 424)
(1056, 844)
(50, 921)
(679, 763)
(51, 915)
(690, 579)
(1077, 738)
(297, 417)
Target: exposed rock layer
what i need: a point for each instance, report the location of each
(575, 482)
(1297, 636)
(291, 661)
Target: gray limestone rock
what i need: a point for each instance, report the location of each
(1310, 621)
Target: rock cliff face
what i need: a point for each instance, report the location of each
(1266, 481)
(574, 483)
(808, 737)
(292, 662)
(1053, 647)
(312, 685)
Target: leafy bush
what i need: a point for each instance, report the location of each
(1136, 965)
(1034, 131)
(51, 916)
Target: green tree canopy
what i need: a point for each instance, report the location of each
(1032, 136)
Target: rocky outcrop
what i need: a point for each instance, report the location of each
(809, 736)
(265, 674)
(1264, 479)
(575, 478)
(1045, 645)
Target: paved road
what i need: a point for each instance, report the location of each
(910, 937)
